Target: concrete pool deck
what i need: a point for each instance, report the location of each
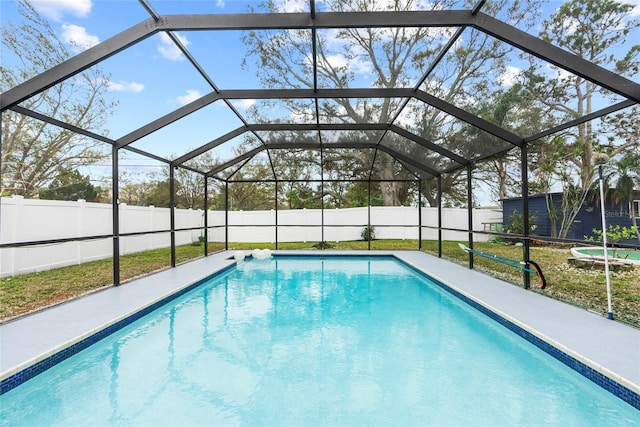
(607, 346)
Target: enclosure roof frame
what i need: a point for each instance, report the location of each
(313, 21)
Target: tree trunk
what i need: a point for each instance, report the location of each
(389, 192)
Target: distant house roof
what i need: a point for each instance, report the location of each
(541, 195)
(532, 196)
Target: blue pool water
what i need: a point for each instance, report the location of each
(308, 341)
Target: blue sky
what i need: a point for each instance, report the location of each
(153, 78)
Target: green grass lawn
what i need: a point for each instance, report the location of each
(584, 288)
(581, 287)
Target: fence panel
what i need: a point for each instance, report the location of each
(25, 220)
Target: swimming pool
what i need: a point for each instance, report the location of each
(313, 341)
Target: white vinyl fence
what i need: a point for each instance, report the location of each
(24, 220)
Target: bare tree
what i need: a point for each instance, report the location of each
(32, 151)
(593, 30)
(392, 57)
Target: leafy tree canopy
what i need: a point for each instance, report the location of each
(70, 185)
(33, 152)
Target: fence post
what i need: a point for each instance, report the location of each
(125, 224)
(82, 212)
(18, 208)
(152, 217)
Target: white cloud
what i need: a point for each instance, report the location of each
(336, 61)
(221, 4)
(558, 73)
(433, 86)
(290, 6)
(636, 7)
(571, 26)
(356, 65)
(168, 48)
(304, 116)
(362, 67)
(429, 5)
(122, 86)
(190, 96)
(244, 104)
(408, 118)
(55, 9)
(508, 78)
(78, 37)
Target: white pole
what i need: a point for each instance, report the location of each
(604, 243)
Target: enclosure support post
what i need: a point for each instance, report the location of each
(206, 215)
(470, 213)
(172, 206)
(439, 216)
(526, 244)
(115, 215)
(226, 215)
(419, 214)
(321, 190)
(276, 203)
(368, 233)
(604, 245)
(322, 210)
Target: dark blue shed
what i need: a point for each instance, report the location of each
(588, 218)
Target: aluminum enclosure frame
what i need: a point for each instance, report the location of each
(313, 21)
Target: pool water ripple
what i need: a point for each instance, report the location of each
(314, 342)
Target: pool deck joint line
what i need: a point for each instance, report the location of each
(605, 351)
